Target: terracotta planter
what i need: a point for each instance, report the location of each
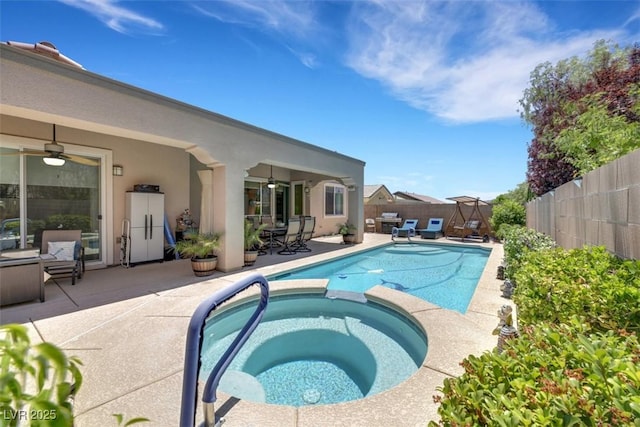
(250, 257)
(204, 266)
(349, 239)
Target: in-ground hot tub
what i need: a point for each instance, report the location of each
(310, 349)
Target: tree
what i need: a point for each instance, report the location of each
(584, 112)
(599, 137)
(508, 212)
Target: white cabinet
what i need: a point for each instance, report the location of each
(145, 212)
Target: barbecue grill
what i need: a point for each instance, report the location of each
(388, 220)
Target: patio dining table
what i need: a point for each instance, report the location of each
(273, 231)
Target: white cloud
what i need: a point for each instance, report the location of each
(117, 18)
(293, 18)
(309, 60)
(461, 61)
(293, 21)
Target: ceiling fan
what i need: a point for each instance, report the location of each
(53, 154)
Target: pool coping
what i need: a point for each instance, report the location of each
(411, 403)
(132, 350)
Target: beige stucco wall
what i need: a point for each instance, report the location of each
(326, 225)
(45, 91)
(148, 163)
(380, 197)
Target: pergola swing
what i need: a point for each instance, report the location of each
(473, 227)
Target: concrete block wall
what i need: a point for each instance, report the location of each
(600, 209)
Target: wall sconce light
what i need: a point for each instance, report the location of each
(307, 190)
(117, 170)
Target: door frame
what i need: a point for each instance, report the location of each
(106, 190)
(293, 197)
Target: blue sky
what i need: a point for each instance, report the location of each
(425, 92)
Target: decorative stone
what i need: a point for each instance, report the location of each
(507, 289)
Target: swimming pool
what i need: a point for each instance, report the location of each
(446, 275)
(310, 349)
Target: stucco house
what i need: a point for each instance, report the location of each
(414, 197)
(118, 136)
(377, 194)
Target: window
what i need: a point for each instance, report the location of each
(333, 200)
(257, 198)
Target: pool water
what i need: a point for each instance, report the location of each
(444, 275)
(309, 349)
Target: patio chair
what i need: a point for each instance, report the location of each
(370, 224)
(62, 253)
(290, 237)
(433, 230)
(305, 235)
(408, 229)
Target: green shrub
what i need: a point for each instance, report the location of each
(553, 375)
(557, 284)
(518, 241)
(507, 212)
(37, 382)
(69, 222)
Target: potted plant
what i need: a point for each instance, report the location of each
(252, 241)
(348, 232)
(202, 248)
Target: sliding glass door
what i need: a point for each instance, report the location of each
(35, 196)
(66, 197)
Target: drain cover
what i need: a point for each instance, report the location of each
(311, 396)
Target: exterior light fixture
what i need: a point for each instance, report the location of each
(55, 152)
(118, 170)
(53, 161)
(271, 183)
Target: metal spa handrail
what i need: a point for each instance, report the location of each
(192, 360)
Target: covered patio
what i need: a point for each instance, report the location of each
(118, 137)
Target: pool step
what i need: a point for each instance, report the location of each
(242, 385)
(351, 296)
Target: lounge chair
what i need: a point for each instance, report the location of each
(62, 253)
(306, 234)
(433, 230)
(408, 229)
(290, 237)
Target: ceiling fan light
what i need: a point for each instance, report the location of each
(271, 183)
(53, 161)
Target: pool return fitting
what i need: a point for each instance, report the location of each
(195, 336)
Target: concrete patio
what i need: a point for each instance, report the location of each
(128, 327)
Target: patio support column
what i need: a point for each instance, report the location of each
(228, 215)
(356, 211)
(356, 207)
